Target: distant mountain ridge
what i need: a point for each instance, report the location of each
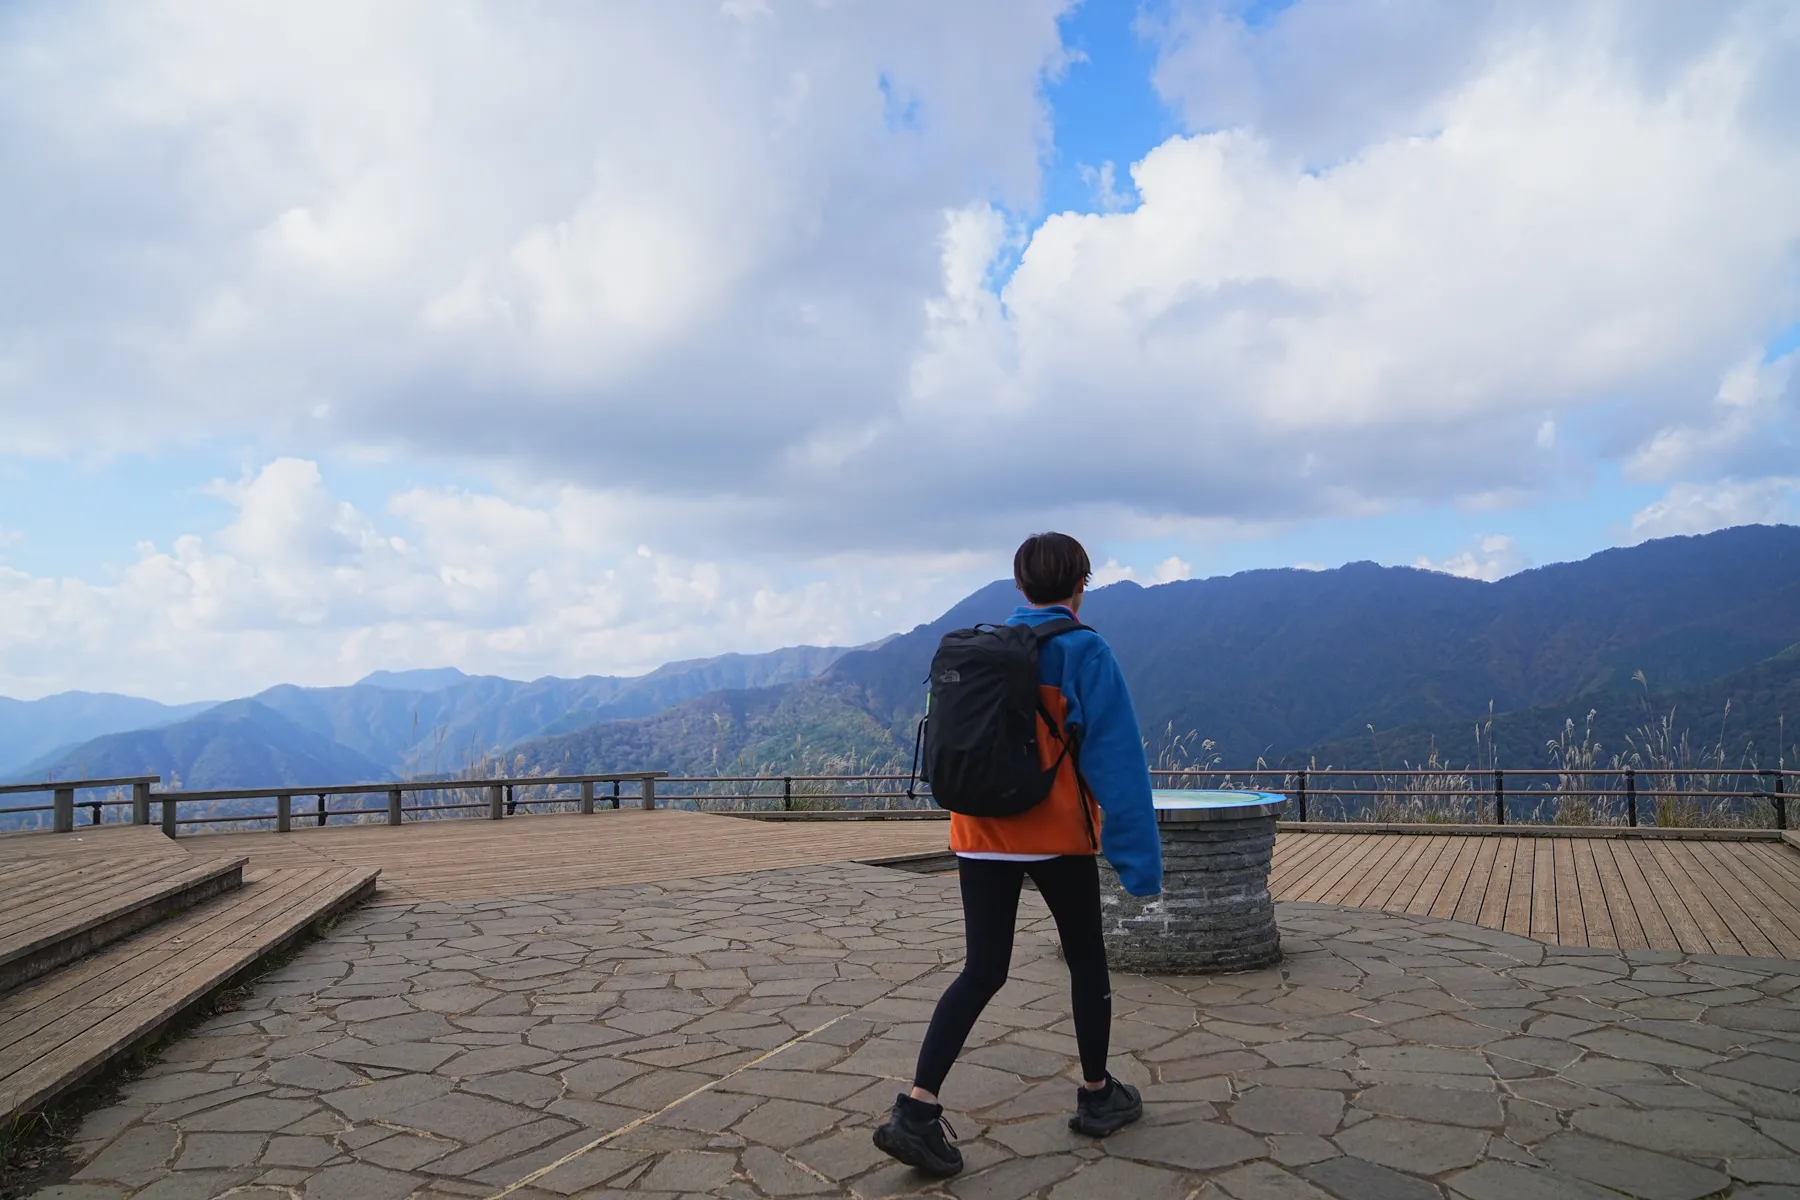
(34, 730)
(1359, 666)
(392, 724)
(235, 744)
(1289, 665)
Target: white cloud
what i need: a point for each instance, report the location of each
(303, 587)
(739, 263)
(1752, 427)
(1494, 556)
(564, 237)
(1169, 570)
(732, 283)
(1690, 508)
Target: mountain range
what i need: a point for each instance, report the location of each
(386, 726)
(1361, 666)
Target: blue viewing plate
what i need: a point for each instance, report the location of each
(1179, 804)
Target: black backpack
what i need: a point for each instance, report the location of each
(979, 736)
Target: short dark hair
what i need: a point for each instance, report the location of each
(1049, 567)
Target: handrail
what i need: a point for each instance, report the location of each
(405, 785)
(1484, 796)
(53, 785)
(1586, 795)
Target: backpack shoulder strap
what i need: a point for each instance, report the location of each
(1055, 629)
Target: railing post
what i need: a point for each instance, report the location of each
(94, 813)
(323, 815)
(1499, 796)
(394, 814)
(62, 810)
(615, 793)
(284, 813)
(140, 802)
(1631, 795)
(1302, 793)
(587, 796)
(496, 802)
(1780, 797)
(512, 801)
(649, 794)
(787, 793)
(169, 804)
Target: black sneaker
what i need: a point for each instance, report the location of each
(914, 1134)
(1113, 1107)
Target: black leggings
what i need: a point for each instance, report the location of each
(1070, 885)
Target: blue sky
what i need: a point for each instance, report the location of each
(655, 359)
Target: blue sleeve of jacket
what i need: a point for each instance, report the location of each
(1112, 760)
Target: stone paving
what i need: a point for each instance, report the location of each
(739, 1037)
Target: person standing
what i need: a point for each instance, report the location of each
(1098, 801)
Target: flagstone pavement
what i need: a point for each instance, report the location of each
(740, 1036)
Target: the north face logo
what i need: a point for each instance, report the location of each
(949, 677)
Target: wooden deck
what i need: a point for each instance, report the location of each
(109, 935)
(1703, 896)
(124, 983)
(1707, 897)
(64, 1028)
(53, 912)
(551, 853)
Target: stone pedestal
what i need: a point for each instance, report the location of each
(1215, 913)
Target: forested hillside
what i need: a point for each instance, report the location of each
(1288, 665)
(1359, 666)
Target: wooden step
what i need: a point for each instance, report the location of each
(53, 910)
(66, 1027)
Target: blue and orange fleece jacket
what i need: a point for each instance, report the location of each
(1084, 690)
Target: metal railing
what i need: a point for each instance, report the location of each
(883, 792)
(1703, 798)
(1629, 796)
(233, 807)
(62, 799)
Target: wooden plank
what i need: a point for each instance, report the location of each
(1658, 932)
(1370, 871)
(1441, 890)
(1627, 930)
(1761, 908)
(1767, 861)
(1667, 897)
(1492, 914)
(1714, 928)
(76, 908)
(1358, 858)
(1468, 905)
(1571, 922)
(1719, 902)
(1408, 876)
(106, 919)
(50, 1011)
(1781, 897)
(1347, 852)
(194, 973)
(1324, 853)
(1543, 890)
(1517, 917)
(451, 860)
(1596, 913)
(1372, 890)
(1784, 858)
(69, 892)
(140, 840)
(1297, 855)
(92, 978)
